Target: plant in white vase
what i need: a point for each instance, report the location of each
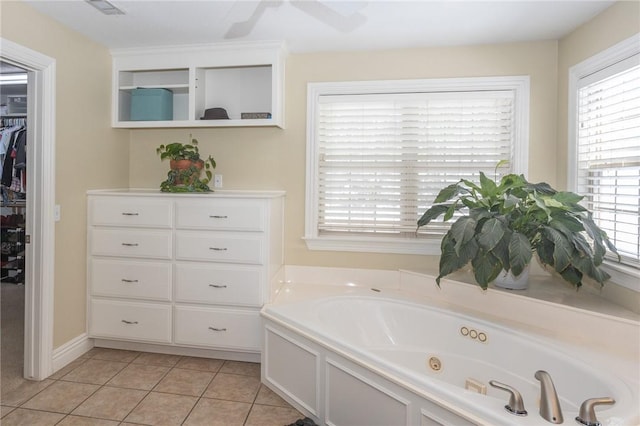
(503, 223)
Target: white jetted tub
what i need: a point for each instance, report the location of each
(377, 357)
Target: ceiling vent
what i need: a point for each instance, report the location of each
(105, 7)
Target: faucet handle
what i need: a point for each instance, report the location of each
(515, 405)
(587, 414)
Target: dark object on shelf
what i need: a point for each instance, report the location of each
(151, 104)
(254, 115)
(215, 114)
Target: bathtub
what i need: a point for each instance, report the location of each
(358, 356)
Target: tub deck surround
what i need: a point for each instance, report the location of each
(540, 309)
(548, 308)
(363, 338)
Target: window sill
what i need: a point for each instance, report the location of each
(374, 245)
(623, 275)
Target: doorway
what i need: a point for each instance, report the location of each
(40, 204)
(13, 189)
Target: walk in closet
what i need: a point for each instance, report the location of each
(13, 171)
(13, 190)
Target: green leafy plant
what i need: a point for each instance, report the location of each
(509, 220)
(186, 167)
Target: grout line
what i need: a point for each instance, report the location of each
(131, 362)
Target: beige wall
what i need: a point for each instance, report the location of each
(275, 158)
(89, 154)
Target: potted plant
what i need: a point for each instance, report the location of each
(185, 167)
(505, 222)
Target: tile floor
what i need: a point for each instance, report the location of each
(108, 387)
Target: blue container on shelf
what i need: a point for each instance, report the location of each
(151, 104)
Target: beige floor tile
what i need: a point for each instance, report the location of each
(267, 415)
(68, 368)
(233, 387)
(239, 367)
(268, 397)
(162, 409)
(90, 353)
(149, 358)
(22, 417)
(110, 403)
(108, 354)
(184, 382)
(25, 391)
(86, 421)
(95, 371)
(202, 364)
(139, 376)
(61, 397)
(4, 410)
(215, 412)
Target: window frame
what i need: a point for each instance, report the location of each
(520, 85)
(623, 275)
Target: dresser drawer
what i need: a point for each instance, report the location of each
(131, 243)
(221, 214)
(130, 320)
(218, 328)
(131, 279)
(229, 285)
(130, 211)
(220, 247)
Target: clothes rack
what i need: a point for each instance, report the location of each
(13, 205)
(13, 121)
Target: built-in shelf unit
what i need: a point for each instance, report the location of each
(239, 77)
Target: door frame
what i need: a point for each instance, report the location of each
(40, 222)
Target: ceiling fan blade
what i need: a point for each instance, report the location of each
(244, 28)
(330, 16)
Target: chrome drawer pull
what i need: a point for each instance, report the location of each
(215, 216)
(129, 214)
(130, 244)
(218, 285)
(217, 329)
(129, 322)
(218, 248)
(124, 280)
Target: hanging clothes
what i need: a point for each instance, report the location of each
(6, 136)
(15, 161)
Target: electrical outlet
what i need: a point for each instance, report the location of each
(217, 181)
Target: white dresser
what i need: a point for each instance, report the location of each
(182, 273)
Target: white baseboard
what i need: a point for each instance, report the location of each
(177, 350)
(71, 350)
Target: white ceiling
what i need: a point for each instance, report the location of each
(324, 25)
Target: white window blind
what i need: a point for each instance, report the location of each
(608, 153)
(383, 158)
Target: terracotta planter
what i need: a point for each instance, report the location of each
(179, 165)
(185, 164)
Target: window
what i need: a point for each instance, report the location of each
(378, 153)
(605, 100)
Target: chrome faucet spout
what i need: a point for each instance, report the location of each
(549, 403)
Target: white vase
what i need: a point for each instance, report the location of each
(509, 281)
